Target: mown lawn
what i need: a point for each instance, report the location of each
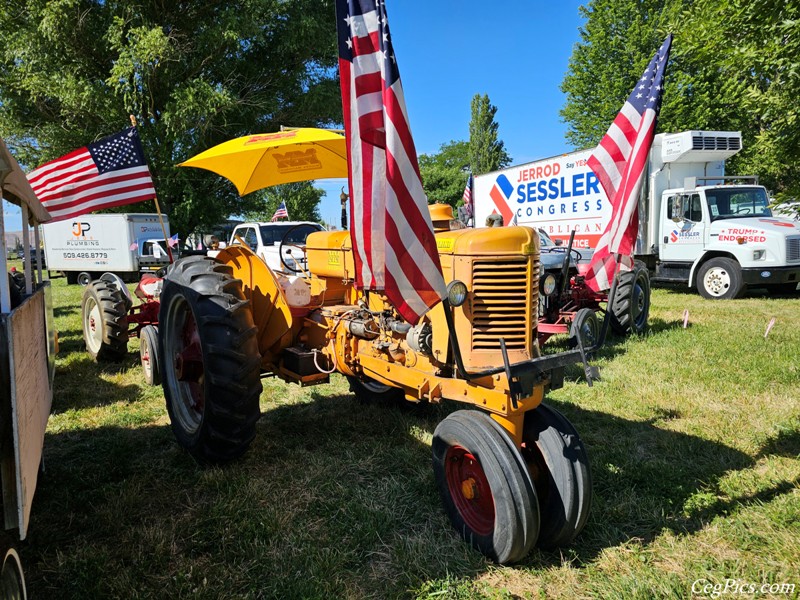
(693, 435)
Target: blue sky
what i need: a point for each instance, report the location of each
(449, 50)
(515, 51)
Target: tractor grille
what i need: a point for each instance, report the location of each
(501, 303)
(700, 142)
(792, 249)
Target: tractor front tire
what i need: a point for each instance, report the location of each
(104, 310)
(209, 360)
(631, 307)
(485, 486)
(148, 354)
(559, 468)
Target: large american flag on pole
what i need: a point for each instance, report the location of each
(391, 230)
(109, 172)
(619, 163)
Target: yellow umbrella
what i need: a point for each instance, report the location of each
(254, 162)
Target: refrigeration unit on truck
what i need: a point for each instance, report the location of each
(85, 247)
(696, 225)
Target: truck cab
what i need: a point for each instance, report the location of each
(265, 240)
(724, 238)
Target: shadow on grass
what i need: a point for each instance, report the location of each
(66, 311)
(333, 499)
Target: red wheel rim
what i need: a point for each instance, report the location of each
(469, 490)
(189, 362)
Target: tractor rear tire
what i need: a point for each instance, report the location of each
(631, 307)
(485, 486)
(12, 577)
(104, 310)
(560, 471)
(209, 360)
(148, 354)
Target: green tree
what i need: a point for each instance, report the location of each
(735, 66)
(444, 174)
(486, 152)
(193, 73)
(302, 202)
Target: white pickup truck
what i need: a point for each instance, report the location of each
(277, 244)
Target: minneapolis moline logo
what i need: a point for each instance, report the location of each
(297, 160)
(445, 244)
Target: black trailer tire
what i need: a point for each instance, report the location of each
(560, 471)
(12, 577)
(72, 277)
(720, 279)
(631, 307)
(586, 327)
(486, 490)
(105, 321)
(148, 354)
(83, 278)
(209, 360)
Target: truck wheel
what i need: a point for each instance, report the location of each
(83, 279)
(720, 279)
(148, 354)
(631, 306)
(12, 578)
(105, 321)
(560, 471)
(485, 487)
(586, 327)
(209, 360)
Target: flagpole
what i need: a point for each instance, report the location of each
(164, 230)
(158, 210)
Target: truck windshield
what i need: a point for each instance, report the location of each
(731, 203)
(272, 234)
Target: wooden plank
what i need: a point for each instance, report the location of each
(31, 396)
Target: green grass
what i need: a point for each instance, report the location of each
(693, 435)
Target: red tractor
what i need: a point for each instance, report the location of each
(567, 305)
(110, 319)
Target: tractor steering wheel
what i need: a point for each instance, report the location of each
(291, 240)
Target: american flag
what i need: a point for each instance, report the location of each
(619, 162)
(281, 212)
(109, 172)
(392, 234)
(467, 197)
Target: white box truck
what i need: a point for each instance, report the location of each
(85, 247)
(696, 226)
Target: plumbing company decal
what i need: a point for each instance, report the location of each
(559, 194)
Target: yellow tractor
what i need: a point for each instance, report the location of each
(512, 472)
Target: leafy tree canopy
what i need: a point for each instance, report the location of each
(486, 152)
(735, 66)
(193, 73)
(444, 174)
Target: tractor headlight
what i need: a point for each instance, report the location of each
(548, 284)
(456, 292)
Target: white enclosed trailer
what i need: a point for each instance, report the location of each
(85, 247)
